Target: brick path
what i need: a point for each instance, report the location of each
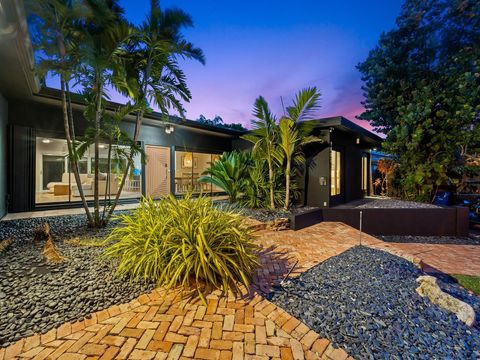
(156, 326)
(449, 259)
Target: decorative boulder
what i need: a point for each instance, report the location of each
(429, 288)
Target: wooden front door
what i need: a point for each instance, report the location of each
(157, 171)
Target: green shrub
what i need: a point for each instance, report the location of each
(178, 242)
(228, 173)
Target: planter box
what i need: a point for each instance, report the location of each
(448, 221)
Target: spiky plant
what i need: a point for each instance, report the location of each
(186, 243)
(228, 173)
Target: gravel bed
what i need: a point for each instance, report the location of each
(395, 204)
(364, 301)
(36, 297)
(474, 240)
(264, 215)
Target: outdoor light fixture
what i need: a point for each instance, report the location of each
(169, 129)
(358, 141)
(46, 141)
(101, 146)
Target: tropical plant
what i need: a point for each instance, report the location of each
(106, 31)
(228, 173)
(386, 168)
(254, 186)
(55, 38)
(264, 136)
(120, 147)
(91, 42)
(184, 242)
(151, 73)
(294, 134)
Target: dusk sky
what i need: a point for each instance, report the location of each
(275, 48)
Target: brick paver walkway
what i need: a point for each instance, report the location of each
(449, 259)
(156, 326)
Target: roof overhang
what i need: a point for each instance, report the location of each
(51, 96)
(342, 124)
(17, 69)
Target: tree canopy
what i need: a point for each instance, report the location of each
(422, 89)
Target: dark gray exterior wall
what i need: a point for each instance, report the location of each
(318, 167)
(352, 164)
(27, 120)
(3, 155)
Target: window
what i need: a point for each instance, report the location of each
(364, 174)
(189, 167)
(55, 181)
(335, 172)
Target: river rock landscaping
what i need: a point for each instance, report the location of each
(35, 297)
(364, 301)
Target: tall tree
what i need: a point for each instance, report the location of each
(294, 133)
(106, 32)
(152, 73)
(56, 38)
(422, 89)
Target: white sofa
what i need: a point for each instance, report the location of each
(87, 184)
(66, 181)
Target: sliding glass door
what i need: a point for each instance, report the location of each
(55, 182)
(189, 167)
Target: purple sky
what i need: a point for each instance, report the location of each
(275, 48)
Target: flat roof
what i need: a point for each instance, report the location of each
(154, 117)
(343, 124)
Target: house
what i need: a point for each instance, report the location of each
(339, 170)
(35, 173)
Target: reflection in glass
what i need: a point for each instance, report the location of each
(335, 173)
(189, 167)
(364, 174)
(55, 182)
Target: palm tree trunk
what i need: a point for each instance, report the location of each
(287, 184)
(107, 185)
(72, 150)
(270, 178)
(136, 134)
(138, 125)
(96, 198)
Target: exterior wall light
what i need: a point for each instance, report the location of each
(169, 129)
(46, 141)
(358, 141)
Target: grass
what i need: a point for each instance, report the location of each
(469, 282)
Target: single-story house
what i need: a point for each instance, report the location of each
(35, 173)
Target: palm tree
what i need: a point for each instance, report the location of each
(294, 133)
(264, 137)
(55, 38)
(106, 32)
(152, 74)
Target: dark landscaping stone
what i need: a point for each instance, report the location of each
(364, 301)
(36, 297)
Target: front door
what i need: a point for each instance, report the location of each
(157, 171)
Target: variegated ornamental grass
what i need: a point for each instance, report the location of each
(184, 242)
